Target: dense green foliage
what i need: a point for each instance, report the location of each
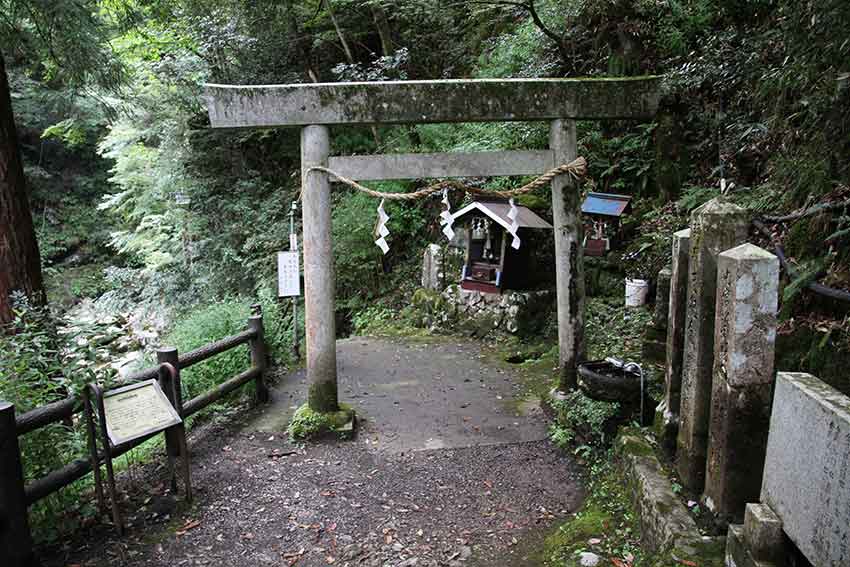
(41, 362)
(199, 213)
(217, 320)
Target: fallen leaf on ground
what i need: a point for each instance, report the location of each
(190, 524)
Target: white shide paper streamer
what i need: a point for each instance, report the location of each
(513, 214)
(446, 216)
(381, 230)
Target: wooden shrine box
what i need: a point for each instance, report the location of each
(602, 230)
(491, 264)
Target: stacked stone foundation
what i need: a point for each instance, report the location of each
(515, 312)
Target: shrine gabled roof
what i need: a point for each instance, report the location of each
(499, 212)
(607, 204)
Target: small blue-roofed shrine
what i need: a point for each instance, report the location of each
(602, 227)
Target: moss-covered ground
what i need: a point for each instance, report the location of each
(307, 423)
(606, 525)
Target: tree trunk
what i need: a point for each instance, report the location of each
(383, 27)
(348, 53)
(20, 263)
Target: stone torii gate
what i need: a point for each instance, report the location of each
(315, 107)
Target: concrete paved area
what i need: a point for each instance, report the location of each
(415, 396)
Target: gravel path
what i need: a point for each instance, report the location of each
(262, 501)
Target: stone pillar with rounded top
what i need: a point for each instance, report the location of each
(744, 341)
(667, 413)
(716, 226)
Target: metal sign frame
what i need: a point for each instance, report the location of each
(93, 397)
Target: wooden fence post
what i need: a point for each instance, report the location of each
(258, 356)
(171, 386)
(15, 537)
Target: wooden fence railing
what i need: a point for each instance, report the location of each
(16, 497)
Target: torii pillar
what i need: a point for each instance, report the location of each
(315, 107)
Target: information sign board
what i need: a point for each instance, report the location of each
(137, 410)
(288, 274)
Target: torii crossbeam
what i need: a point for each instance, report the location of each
(315, 107)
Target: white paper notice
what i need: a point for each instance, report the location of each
(137, 410)
(288, 274)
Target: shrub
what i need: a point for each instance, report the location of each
(38, 365)
(581, 419)
(218, 320)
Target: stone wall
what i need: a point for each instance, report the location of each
(517, 312)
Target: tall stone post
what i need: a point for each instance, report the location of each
(715, 227)
(667, 413)
(569, 268)
(744, 339)
(318, 270)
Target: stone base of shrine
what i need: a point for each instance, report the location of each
(516, 312)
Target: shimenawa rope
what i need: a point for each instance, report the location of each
(575, 169)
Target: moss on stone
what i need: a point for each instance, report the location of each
(631, 442)
(307, 423)
(706, 552)
(639, 449)
(322, 396)
(571, 537)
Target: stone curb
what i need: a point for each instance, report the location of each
(666, 526)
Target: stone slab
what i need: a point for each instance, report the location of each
(663, 517)
(450, 164)
(432, 267)
(763, 532)
(738, 553)
(661, 310)
(454, 100)
(654, 348)
(746, 310)
(807, 468)
(739, 423)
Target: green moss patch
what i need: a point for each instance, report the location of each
(632, 442)
(606, 525)
(308, 424)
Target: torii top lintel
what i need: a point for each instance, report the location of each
(455, 100)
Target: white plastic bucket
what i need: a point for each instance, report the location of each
(636, 292)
